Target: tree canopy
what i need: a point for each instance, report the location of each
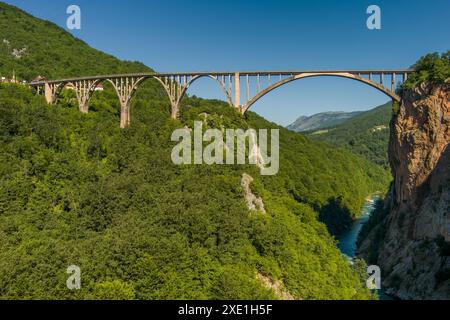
(433, 68)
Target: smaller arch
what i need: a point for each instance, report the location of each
(371, 83)
(53, 91)
(176, 91)
(222, 85)
(129, 89)
(64, 85)
(125, 88)
(83, 94)
(58, 88)
(167, 88)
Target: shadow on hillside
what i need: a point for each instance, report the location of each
(336, 217)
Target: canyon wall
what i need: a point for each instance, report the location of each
(413, 240)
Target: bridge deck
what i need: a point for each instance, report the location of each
(243, 73)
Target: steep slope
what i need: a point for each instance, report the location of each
(411, 240)
(75, 189)
(366, 134)
(409, 236)
(320, 121)
(33, 47)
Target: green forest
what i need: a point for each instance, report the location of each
(75, 189)
(31, 47)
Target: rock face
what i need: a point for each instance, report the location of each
(254, 203)
(414, 249)
(277, 287)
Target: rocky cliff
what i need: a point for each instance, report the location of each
(413, 241)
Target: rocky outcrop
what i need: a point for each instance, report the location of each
(254, 203)
(276, 286)
(413, 250)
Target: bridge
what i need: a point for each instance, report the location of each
(241, 89)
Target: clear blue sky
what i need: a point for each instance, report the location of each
(180, 35)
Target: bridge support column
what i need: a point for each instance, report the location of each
(84, 90)
(175, 111)
(125, 114)
(175, 91)
(84, 107)
(125, 88)
(50, 93)
(394, 82)
(237, 90)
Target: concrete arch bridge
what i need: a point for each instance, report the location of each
(241, 89)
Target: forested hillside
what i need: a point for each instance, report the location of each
(33, 47)
(366, 134)
(77, 190)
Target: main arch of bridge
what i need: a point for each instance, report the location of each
(177, 84)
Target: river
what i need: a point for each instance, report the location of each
(347, 241)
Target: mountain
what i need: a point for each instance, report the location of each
(366, 134)
(75, 189)
(321, 120)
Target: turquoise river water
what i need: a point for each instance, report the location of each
(347, 241)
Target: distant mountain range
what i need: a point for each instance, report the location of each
(321, 121)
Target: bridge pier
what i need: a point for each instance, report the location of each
(125, 115)
(84, 90)
(175, 90)
(84, 107)
(125, 88)
(50, 93)
(175, 111)
(237, 90)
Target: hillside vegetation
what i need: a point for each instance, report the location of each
(77, 190)
(367, 134)
(33, 47)
(433, 69)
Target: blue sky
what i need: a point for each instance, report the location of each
(217, 35)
